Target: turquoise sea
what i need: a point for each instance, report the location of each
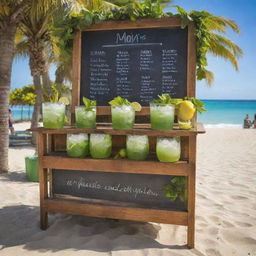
(219, 113)
(224, 113)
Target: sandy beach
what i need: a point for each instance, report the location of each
(225, 210)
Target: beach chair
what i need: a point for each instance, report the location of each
(20, 138)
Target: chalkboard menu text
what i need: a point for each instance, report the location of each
(137, 64)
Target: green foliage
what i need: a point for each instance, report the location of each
(176, 189)
(56, 93)
(117, 101)
(199, 105)
(89, 104)
(166, 99)
(27, 95)
(207, 41)
(206, 24)
(23, 96)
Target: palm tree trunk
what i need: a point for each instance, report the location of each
(37, 106)
(47, 82)
(6, 53)
(59, 78)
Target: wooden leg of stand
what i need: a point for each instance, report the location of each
(191, 193)
(43, 183)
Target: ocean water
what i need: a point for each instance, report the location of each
(227, 113)
(220, 113)
(16, 112)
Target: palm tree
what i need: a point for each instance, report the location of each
(63, 55)
(211, 30)
(11, 12)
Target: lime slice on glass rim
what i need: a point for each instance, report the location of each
(64, 100)
(136, 106)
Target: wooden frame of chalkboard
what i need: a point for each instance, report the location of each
(166, 23)
(55, 165)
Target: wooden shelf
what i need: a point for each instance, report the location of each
(116, 212)
(55, 161)
(140, 129)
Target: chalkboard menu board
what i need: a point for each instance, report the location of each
(140, 189)
(137, 64)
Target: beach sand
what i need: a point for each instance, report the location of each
(225, 210)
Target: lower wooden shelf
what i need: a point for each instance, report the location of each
(180, 168)
(102, 209)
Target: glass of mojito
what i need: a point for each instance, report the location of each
(100, 145)
(137, 147)
(77, 145)
(123, 117)
(168, 149)
(53, 115)
(85, 119)
(162, 116)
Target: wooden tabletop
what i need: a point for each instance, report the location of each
(140, 129)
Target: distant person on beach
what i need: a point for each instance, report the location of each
(11, 122)
(254, 122)
(247, 122)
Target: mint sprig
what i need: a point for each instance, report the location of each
(176, 189)
(89, 104)
(199, 105)
(117, 101)
(166, 99)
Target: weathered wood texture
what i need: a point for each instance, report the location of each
(106, 211)
(143, 129)
(56, 141)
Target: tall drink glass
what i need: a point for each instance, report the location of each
(53, 115)
(77, 145)
(100, 145)
(162, 116)
(123, 117)
(85, 119)
(168, 149)
(137, 147)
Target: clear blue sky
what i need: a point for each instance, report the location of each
(228, 83)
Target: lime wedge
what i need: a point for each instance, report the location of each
(186, 125)
(136, 106)
(64, 100)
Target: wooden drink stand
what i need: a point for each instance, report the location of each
(55, 166)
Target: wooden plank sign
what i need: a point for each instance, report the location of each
(137, 64)
(144, 190)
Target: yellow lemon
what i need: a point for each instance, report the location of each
(64, 100)
(186, 110)
(136, 106)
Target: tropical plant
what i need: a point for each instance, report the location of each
(176, 189)
(210, 39)
(23, 96)
(63, 31)
(208, 29)
(11, 12)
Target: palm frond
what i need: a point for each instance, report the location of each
(221, 51)
(209, 77)
(224, 23)
(21, 49)
(219, 39)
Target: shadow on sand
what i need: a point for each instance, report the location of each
(14, 177)
(20, 226)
